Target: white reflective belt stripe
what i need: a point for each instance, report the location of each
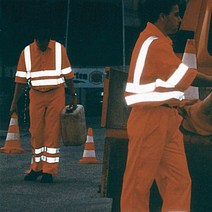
(21, 74)
(13, 137)
(48, 150)
(47, 159)
(88, 153)
(47, 82)
(178, 74)
(154, 97)
(13, 121)
(141, 59)
(27, 58)
(46, 73)
(58, 57)
(67, 70)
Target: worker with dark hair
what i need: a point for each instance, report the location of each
(45, 64)
(155, 87)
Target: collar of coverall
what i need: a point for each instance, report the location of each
(50, 45)
(156, 32)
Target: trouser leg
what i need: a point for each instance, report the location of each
(53, 131)
(173, 177)
(146, 145)
(37, 126)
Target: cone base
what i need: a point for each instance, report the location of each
(88, 161)
(7, 150)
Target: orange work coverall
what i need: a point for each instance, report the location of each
(46, 72)
(155, 85)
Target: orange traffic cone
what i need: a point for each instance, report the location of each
(12, 144)
(89, 151)
(189, 59)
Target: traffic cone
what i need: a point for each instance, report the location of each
(190, 60)
(89, 151)
(12, 144)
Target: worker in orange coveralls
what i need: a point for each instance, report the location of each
(46, 65)
(156, 83)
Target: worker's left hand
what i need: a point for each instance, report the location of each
(73, 102)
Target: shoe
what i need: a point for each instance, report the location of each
(46, 178)
(32, 176)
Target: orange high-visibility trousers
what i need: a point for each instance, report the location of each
(45, 128)
(155, 151)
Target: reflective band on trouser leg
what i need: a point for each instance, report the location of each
(48, 150)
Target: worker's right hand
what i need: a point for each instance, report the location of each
(13, 108)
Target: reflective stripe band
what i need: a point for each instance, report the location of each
(47, 82)
(48, 150)
(141, 59)
(47, 159)
(88, 153)
(178, 74)
(13, 121)
(66, 70)
(134, 88)
(46, 73)
(13, 137)
(58, 57)
(21, 74)
(154, 97)
(27, 58)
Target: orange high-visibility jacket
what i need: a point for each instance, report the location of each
(49, 73)
(156, 76)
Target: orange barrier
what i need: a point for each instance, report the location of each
(89, 151)
(12, 144)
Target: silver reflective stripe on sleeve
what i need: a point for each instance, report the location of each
(178, 74)
(67, 70)
(21, 74)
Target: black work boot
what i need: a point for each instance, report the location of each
(32, 176)
(46, 178)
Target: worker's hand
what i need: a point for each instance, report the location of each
(73, 103)
(14, 108)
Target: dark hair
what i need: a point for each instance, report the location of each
(42, 34)
(153, 8)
